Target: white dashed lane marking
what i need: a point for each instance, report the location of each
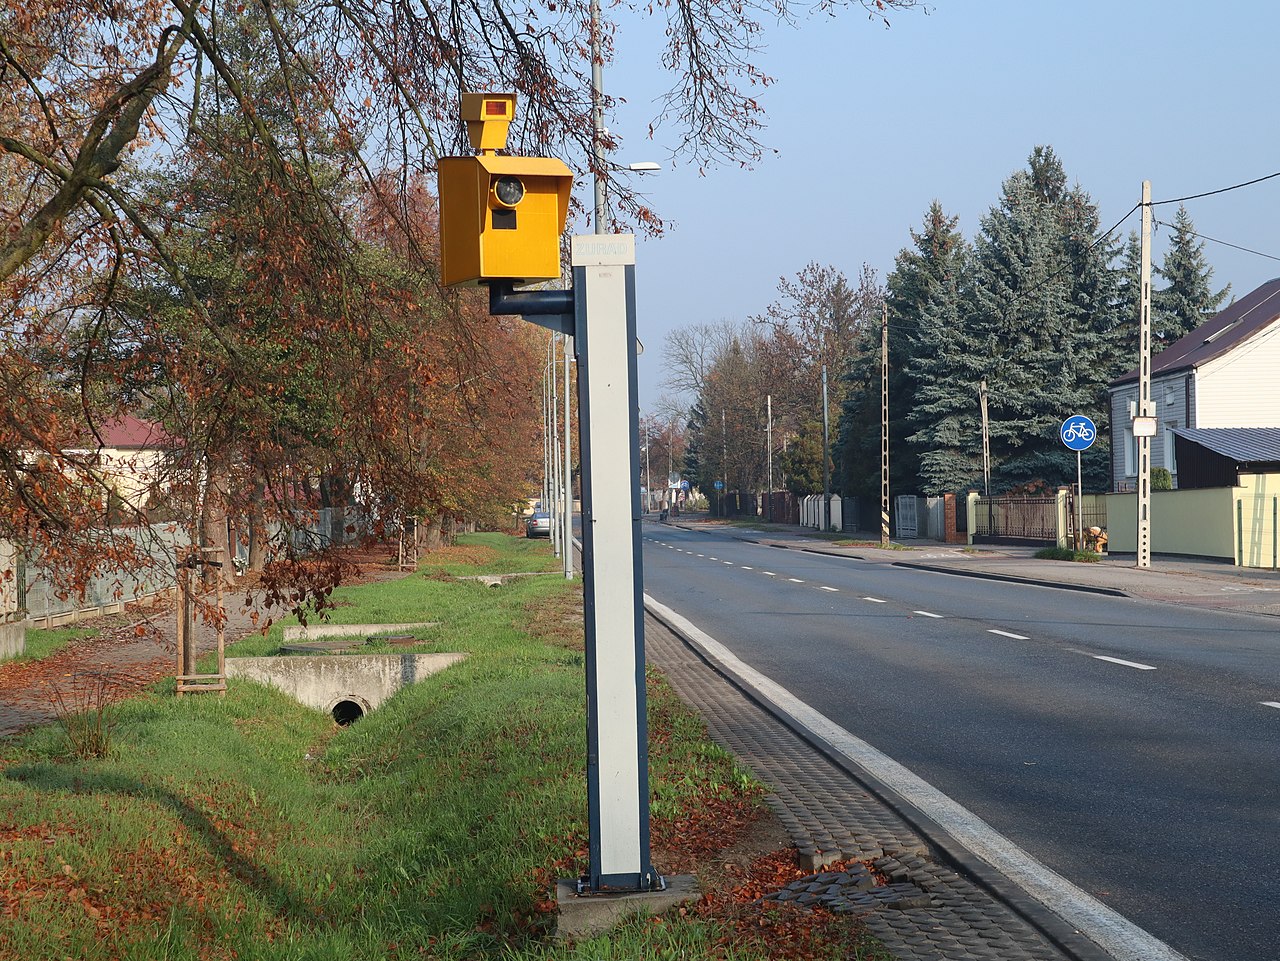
(926, 614)
(769, 573)
(1016, 637)
(833, 590)
(1115, 660)
(1270, 703)
(875, 600)
(746, 568)
(795, 580)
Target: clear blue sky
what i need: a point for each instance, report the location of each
(871, 124)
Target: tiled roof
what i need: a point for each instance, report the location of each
(1225, 330)
(1244, 445)
(129, 432)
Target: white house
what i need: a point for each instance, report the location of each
(1225, 373)
(131, 458)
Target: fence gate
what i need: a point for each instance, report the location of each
(1017, 519)
(905, 512)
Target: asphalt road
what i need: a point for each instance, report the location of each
(1133, 747)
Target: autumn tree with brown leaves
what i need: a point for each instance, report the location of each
(214, 214)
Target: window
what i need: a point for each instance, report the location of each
(1169, 449)
(1130, 453)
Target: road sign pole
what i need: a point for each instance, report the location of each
(612, 579)
(1079, 503)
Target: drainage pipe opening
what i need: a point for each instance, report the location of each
(347, 712)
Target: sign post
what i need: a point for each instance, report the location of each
(1078, 433)
(617, 739)
(500, 223)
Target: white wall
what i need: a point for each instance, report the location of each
(1239, 389)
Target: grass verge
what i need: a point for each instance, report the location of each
(251, 827)
(41, 642)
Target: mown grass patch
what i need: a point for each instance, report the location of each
(41, 642)
(251, 827)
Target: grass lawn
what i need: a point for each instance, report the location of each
(252, 827)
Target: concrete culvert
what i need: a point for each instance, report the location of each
(347, 712)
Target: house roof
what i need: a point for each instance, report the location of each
(129, 432)
(1216, 336)
(1244, 445)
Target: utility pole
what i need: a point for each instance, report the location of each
(986, 440)
(648, 482)
(724, 464)
(826, 467)
(768, 434)
(567, 537)
(1144, 388)
(884, 425)
(553, 504)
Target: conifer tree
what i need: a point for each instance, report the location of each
(1037, 315)
(1188, 300)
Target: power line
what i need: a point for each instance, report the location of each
(1224, 243)
(1211, 193)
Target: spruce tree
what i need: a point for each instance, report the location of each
(1188, 300)
(1040, 310)
(947, 365)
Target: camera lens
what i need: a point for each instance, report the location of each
(509, 191)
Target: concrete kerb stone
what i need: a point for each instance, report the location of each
(588, 915)
(1013, 579)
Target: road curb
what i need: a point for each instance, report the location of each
(1053, 927)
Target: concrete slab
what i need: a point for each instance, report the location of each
(13, 639)
(587, 915)
(324, 681)
(315, 632)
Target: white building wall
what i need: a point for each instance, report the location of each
(1241, 388)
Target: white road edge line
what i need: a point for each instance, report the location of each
(833, 590)
(927, 614)
(1109, 930)
(1116, 660)
(1016, 637)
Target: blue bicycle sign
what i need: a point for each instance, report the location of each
(1078, 432)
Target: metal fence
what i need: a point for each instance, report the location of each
(47, 604)
(1017, 519)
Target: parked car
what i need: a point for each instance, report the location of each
(539, 525)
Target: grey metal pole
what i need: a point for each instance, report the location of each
(1144, 385)
(553, 504)
(826, 468)
(648, 478)
(768, 433)
(567, 536)
(724, 465)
